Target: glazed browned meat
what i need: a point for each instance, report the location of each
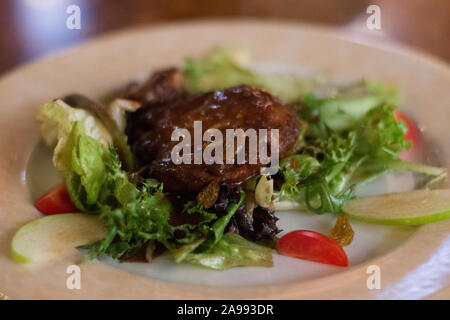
(161, 87)
(243, 107)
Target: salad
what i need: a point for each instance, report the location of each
(124, 196)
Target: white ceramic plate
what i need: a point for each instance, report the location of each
(413, 261)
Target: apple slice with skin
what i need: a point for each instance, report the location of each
(401, 208)
(49, 236)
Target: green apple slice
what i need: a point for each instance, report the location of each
(47, 237)
(401, 208)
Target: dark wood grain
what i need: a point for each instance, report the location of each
(30, 29)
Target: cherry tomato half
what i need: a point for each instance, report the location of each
(57, 200)
(313, 246)
(413, 134)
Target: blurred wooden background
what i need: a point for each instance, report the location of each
(30, 29)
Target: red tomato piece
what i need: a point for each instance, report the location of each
(413, 134)
(57, 200)
(313, 246)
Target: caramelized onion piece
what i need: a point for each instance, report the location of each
(342, 232)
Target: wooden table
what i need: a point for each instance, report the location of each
(30, 29)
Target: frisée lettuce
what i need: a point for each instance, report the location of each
(342, 144)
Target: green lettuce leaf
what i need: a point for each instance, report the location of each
(92, 171)
(294, 169)
(230, 251)
(180, 254)
(227, 67)
(216, 231)
(346, 110)
(57, 119)
(119, 139)
(87, 162)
